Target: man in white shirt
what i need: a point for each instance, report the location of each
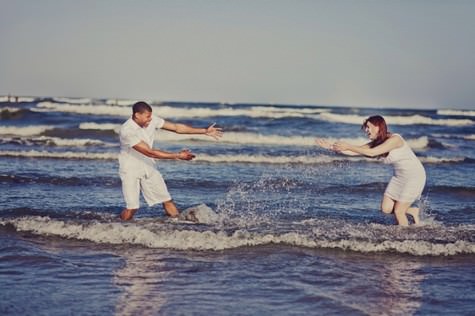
(137, 158)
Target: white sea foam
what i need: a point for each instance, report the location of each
(24, 130)
(158, 236)
(73, 100)
(396, 120)
(470, 137)
(456, 112)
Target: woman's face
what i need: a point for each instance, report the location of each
(371, 130)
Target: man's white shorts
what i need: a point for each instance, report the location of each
(151, 184)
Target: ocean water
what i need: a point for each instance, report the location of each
(299, 229)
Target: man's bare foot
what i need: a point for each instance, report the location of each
(127, 214)
(414, 212)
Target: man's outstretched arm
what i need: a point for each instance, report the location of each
(179, 128)
(145, 149)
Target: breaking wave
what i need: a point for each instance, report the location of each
(431, 240)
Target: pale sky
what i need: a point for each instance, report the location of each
(417, 54)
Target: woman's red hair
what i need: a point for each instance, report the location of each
(383, 134)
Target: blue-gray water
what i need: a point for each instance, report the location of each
(299, 229)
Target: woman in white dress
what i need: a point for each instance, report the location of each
(409, 177)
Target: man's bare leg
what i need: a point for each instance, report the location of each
(128, 213)
(170, 209)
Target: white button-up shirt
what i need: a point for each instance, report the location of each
(130, 160)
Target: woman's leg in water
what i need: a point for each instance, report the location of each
(414, 212)
(387, 204)
(400, 210)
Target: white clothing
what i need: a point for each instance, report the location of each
(137, 171)
(409, 177)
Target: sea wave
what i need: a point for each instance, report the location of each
(351, 237)
(14, 99)
(120, 102)
(231, 158)
(58, 155)
(396, 120)
(24, 130)
(100, 126)
(279, 140)
(456, 112)
(253, 138)
(95, 109)
(73, 100)
(9, 110)
(56, 141)
(180, 112)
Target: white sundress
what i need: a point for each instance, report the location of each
(409, 177)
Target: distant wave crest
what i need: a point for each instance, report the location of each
(180, 112)
(396, 120)
(24, 130)
(456, 112)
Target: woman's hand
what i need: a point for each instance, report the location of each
(323, 143)
(214, 132)
(340, 146)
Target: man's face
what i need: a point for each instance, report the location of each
(143, 119)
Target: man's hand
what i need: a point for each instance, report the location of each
(185, 154)
(214, 132)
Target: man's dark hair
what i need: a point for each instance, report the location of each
(140, 107)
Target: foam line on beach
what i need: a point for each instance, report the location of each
(161, 236)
